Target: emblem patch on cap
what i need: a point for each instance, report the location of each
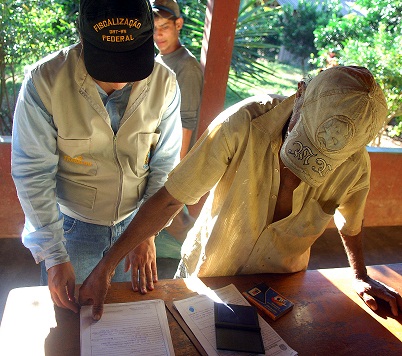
(117, 35)
(334, 133)
(304, 154)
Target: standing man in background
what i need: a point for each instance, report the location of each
(96, 131)
(168, 23)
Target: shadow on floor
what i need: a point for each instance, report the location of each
(381, 245)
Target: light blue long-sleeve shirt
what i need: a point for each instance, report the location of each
(34, 157)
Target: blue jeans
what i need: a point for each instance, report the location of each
(86, 244)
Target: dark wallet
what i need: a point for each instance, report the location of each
(237, 328)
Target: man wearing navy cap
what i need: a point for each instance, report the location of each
(96, 131)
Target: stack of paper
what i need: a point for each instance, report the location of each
(198, 313)
(138, 328)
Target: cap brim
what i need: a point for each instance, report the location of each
(119, 67)
(302, 157)
(164, 11)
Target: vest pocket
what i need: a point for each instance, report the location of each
(72, 194)
(75, 156)
(146, 147)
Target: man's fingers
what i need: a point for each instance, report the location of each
(82, 300)
(369, 300)
(143, 281)
(61, 281)
(154, 272)
(372, 289)
(56, 299)
(391, 300)
(97, 307)
(83, 297)
(67, 303)
(394, 308)
(149, 277)
(395, 301)
(61, 299)
(134, 278)
(97, 311)
(70, 288)
(399, 301)
(126, 264)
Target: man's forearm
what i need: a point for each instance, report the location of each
(354, 250)
(150, 219)
(185, 142)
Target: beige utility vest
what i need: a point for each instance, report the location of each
(101, 176)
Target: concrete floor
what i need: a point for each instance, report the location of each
(381, 245)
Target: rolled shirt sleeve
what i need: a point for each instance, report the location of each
(190, 79)
(33, 168)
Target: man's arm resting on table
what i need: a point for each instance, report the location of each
(150, 219)
(366, 287)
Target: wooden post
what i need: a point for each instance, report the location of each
(217, 47)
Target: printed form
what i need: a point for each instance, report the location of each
(137, 328)
(198, 313)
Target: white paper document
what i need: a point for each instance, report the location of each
(198, 313)
(138, 328)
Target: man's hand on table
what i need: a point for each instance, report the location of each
(61, 281)
(369, 288)
(142, 261)
(94, 289)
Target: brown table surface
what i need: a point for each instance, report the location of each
(328, 316)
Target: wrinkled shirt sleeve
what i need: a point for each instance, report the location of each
(34, 166)
(167, 151)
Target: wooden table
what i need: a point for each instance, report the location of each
(328, 316)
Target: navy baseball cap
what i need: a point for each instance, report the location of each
(117, 37)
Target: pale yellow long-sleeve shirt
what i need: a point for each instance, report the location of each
(237, 158)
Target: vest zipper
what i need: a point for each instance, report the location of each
(120, 179)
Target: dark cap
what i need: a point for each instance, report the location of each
(166, 8)
(117, 37)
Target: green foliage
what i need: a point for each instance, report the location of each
(193, 13)
(396, 129)
(250, 42)
(29, 30)
(373, 41)
(283, 82)
(381, 54)
(298, 26)
(33, 28)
